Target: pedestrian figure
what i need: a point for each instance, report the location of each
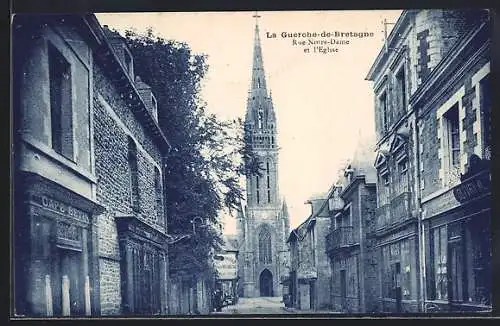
(218, 300)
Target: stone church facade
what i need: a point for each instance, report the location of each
(263, 222)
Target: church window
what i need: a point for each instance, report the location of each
(265, 252)
(258, 82)
(258, 197)
(268, 196)
(260, 118)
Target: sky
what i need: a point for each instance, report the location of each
(322, 101)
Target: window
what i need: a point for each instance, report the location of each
(260, 114)
(440, 263)
(403, 175)
(385, 179)
(451, 118)
(485, 104)
(401, 88)
(258, 82)
(154, 107)
(128, 62)
(134, 177)
(461, 255)
(313, 247)
(61, 111)
(159, 197)
(265, 252)
(403, 165)
(383, 110)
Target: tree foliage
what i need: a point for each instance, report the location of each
(208, 156)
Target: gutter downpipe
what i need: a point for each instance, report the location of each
(420, 224)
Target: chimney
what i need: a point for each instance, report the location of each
(147, 96)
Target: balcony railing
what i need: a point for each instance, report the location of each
(394, 213)
(340, 238)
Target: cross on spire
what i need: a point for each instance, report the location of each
(256, 16)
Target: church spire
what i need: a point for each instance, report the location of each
(260, 111)
(258, 86)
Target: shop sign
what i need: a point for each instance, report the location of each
(474, 183)
(307, 273)
(61, 208)
(68, 232)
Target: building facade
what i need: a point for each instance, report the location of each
(350, 244)
(226, 264)
(421, 154)
(89, 216)
(263, 224)
(453, 107)
(310, 271)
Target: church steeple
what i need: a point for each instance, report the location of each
(262, 191)
(258, 86)
(260, 111)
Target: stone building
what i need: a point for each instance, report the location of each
(419, 154)
(310, 271)
(351, 242)
(263, 224)
(89, 219)
(227, 267)
(453, 131)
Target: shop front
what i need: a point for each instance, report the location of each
(56, 266)
(459, 246)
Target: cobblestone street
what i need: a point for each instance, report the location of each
(259, 305)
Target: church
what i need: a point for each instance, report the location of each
(263, 223)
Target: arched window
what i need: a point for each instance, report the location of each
(134, 177)
(260, 118)
(265, 252)
(258, 82)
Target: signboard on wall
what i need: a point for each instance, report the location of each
(226, 266)
(307, 273)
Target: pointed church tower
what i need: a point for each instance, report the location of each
(261, 124)
(263, 227)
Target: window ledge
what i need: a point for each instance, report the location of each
(58, 158)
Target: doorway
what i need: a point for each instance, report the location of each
(343, 290)
(68, 284)
(266, 283)
(396, 284)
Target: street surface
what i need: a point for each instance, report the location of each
(259, 305)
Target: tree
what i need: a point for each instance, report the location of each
(209, 155)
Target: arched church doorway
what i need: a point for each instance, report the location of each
(266, 283)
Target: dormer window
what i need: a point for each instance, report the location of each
(154, 107)
(128, 63)
(348, 173)
(384, 175)
(403, 165)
